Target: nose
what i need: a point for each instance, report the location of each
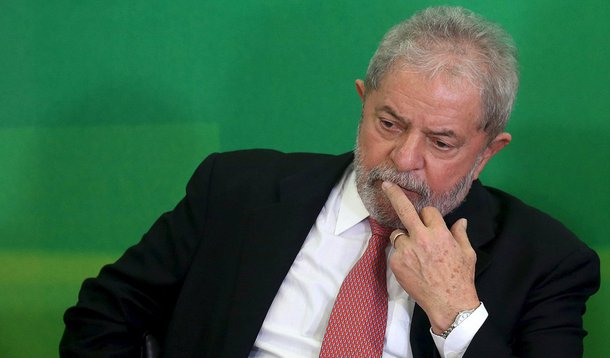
(408, 154)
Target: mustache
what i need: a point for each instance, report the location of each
(406, 180)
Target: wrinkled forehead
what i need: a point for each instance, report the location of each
(451, 77)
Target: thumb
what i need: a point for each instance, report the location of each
(459, 233)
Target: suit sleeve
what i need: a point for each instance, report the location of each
(550, 323)
(135, 295)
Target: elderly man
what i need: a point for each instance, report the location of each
(397, 250)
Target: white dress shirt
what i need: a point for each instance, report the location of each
(297, 318)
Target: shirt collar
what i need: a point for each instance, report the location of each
(351, 208)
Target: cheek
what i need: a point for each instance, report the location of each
(374, 150)
(371, 155)
(441, 177)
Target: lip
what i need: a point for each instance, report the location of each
(412, 195)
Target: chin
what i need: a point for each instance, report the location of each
(383, 212)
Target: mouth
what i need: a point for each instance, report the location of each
(412, 195)
(408, 192)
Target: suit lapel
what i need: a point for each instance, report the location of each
(480, 213)
(276, 234)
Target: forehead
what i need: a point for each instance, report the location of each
(441, 97)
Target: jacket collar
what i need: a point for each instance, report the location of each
(275, 235)
(478, 209)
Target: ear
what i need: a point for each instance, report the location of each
(360, 89)
(499, 142)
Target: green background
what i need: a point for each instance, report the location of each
(106, 108)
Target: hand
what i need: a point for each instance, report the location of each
(433, 264)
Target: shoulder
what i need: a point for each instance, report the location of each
(532, 230)
(258, 171)
(257, 159)
(264, 163)
(534, 275)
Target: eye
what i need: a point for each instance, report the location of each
(442, 145)
(387, 124)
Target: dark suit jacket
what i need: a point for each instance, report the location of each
(204, 276)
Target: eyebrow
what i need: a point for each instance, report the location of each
(388, 109)
(441, 133)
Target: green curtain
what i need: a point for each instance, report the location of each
(107, 107)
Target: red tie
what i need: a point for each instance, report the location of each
(356, 327)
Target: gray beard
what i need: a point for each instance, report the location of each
(368, 184)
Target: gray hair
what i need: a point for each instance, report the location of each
(458, 42)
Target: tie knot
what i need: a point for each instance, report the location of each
(380, 230)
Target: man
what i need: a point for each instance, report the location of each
(269, 255)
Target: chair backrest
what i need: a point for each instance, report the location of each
(151, 347)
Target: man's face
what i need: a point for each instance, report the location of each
(424, 135)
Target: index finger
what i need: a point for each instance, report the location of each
(402, 205)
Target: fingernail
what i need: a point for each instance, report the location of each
(385, 185)
(465, 223)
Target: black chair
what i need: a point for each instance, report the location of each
(151, 347)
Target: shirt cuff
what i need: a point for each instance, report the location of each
(456, 343)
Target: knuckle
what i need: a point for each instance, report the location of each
(428, 210)
(402, 211)
(394, 263)
(471, 254)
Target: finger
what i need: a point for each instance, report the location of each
(396, 236)
(402, 205)
(431, 217)
(459, 233)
